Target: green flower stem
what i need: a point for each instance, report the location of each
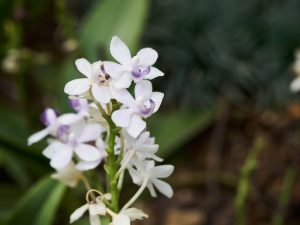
(112, 167)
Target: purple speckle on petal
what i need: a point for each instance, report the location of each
(62, 130)
(78, 104)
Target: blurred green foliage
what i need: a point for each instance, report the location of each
(237, 50)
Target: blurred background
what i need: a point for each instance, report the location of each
(228, 123)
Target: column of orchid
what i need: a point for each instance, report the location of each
(108, 126)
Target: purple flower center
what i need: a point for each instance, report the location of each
(140, 72)
(62, 130)
(147, 111)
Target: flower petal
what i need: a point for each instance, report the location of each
(162, 171)
(154, 72)
(134, 214)
(77, 86)
(121, 219)
(113, 69)
(94, 220)
(136, 126)
(52, 148)
(90, 133)
(163, 187)
(84, 165)
(36, 137)
(97, 209)
(120, 51)
(123, 81)
(84, 67)
(62, 157)
(123, 96)
(78, 213)
(157, 97)
(69, 118)
(101, 93)
(122, 117)
(147, 56)
(143, 90)
(87, 152)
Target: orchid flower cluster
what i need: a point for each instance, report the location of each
(108, 128)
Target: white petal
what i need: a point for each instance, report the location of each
(36, 137)
(96, 69)
(123, 96)
(152, 190)
(87, 152)
(123, 81)
(49, 116)
(62, 157)
(137, 125)
(52, 148)
(94, 220)
(84, 67)
(295, 85)
(77, 86)
(163, 187)
(162, 171)
(97, 209)
(84, 165)
(154, 72)
(90, 133)
(69, 118)
(134, 214)
(122, 117)
(157, 97)
(101, 94)
(147, 56)
(121, 220)
(120, 51)
(143, 90)
(113, 69)
(78, 213)
(69, 175)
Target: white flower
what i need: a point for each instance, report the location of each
(95, 208)
(151, 174)
(69, 175)
(61, 153)
(136, 68)
(144, 105)
(95, 79)
(55, 125)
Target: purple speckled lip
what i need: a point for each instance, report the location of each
(46, 116)
(62, 130)
(147, 111)
(138, 72)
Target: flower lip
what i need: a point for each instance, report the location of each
(62, 130)
(147, 111)
(140, 72)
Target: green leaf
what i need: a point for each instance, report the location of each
(173, 129)
(109, 18)
(39, 204)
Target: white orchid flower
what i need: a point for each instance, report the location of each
(130, 68)
(95, 79)
(150, 175)
(61, 153)
(55, 125)
(95, 209)
(134, 214)
(120, 219)
(143, 105)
